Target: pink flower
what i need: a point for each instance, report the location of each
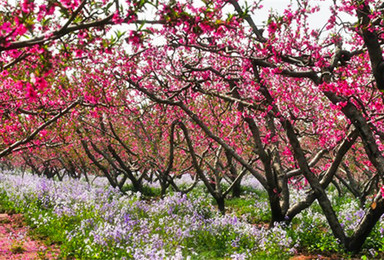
(27, 6)
(66, 3)
(43, 133)
(4, 73)
(40, 83)
(21, 30)
(6, 27)
(42, 12)
(78, 53)
(314, 33)
(288, 16)
(82, 34)
(117, 19)
(272, 27)
(31, 93)
(134, 38)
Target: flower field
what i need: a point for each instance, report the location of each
(218, 129)
(95, 221)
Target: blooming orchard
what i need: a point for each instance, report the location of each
(199, 88)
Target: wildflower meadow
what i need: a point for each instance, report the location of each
(96, 221)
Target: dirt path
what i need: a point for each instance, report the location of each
(15, 244)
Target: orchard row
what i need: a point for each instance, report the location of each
(154, 90)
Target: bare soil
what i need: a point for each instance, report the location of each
(16, 244)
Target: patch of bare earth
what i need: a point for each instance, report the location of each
(325, 256)
(16, 244)
(312, 257)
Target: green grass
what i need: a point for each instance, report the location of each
(309, 232)
(253, 205)
(147, 192)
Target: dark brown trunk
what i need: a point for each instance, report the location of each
(236, 190)
(366, 225)
(220, 204)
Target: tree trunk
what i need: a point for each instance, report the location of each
(274, 202)
(221, 204)
(366, 225)
(236, 190)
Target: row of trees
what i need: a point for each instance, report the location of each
(194, 89)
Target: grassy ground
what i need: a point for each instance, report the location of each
(98, 223)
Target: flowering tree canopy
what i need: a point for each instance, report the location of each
(138, 88)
